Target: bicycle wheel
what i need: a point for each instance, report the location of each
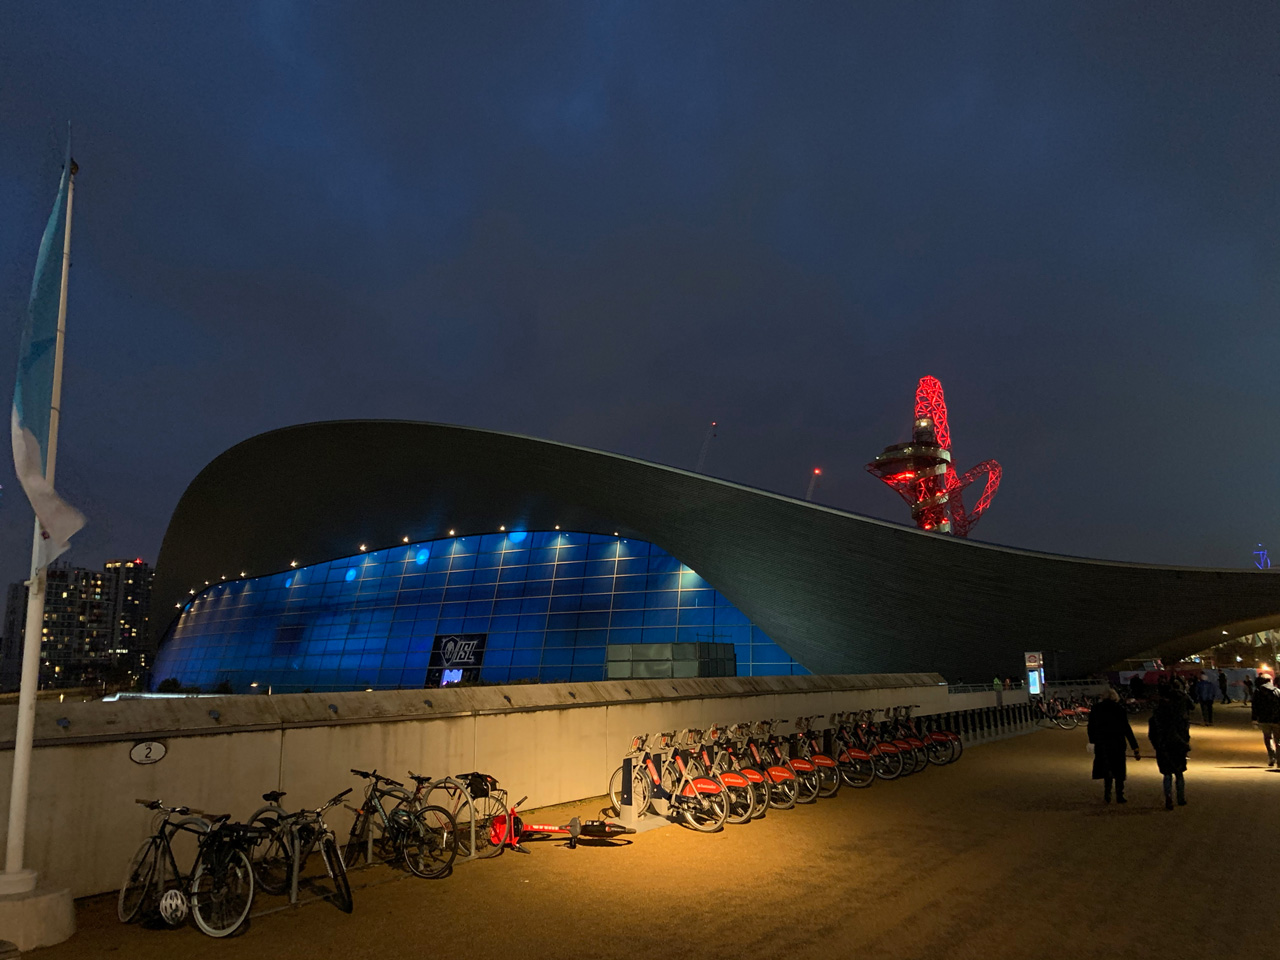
(357, 844)
(222, 891)
(491, 827)
(940, 752)
(920, 757)
(137, 880)
(337, 873)
(639, 789)
(1067, 721)
(429, 843)
(272, 858)
(760, 797)
(782, 794)
(705, 812)
(888, 765)
(807, 786)
(858, 773)
(740, 802)
(828, 782)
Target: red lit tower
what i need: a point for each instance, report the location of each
(921, 470)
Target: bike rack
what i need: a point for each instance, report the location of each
(449, 782)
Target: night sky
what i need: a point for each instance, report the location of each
(610, 223)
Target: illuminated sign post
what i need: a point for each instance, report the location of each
(1035, 672)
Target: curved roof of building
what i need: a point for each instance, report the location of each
(842, 593)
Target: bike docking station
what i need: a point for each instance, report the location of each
(659, 802)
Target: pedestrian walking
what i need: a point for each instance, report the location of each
(1266, 714)
(1248, 690)
(1206, 693)
(1222, 685)
(1108, 731)
(1170, 735)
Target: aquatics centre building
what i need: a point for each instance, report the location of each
(389, 554)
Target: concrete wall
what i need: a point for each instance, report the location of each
(553, 742)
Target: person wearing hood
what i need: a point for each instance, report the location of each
(1266, 714)
(1108, 730)
(1170, 734)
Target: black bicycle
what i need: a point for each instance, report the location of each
(423, 837)
(290, 840)
(217, 893)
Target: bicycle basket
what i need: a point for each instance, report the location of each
(478, 784)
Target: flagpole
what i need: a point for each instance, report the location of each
(15, 879)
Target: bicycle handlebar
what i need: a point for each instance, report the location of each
(335, 800)
(157, 805)
(376, 777)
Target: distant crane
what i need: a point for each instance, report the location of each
(813, 482)
(706, 446)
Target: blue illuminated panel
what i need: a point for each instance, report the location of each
(548, 603)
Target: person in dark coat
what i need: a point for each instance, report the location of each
(1170, 735)
(1108, 730)
(1222, 685)
(1266, 714)
(1205, 693)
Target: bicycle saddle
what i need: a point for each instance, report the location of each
(418, 779)
(273, 796)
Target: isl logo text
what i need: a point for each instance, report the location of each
(456, 651)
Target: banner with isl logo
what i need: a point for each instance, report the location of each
(455, 657)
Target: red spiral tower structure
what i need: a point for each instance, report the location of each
(922, 473)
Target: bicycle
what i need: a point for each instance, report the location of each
(475, 802)
(291, 839)
(805, 772)
(222, 884)
(782, 780)
(425, 839)
(824, 766)
(218, 892)
(510, 830)
(857, 767)
(154, 867)
(739, 796)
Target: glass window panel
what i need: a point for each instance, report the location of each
(626, 600)
(603, 551)
(563, 604)
(564, 570)
(665, 617)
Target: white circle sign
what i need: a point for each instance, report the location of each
(148, 751)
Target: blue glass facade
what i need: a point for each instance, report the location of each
(545, 605)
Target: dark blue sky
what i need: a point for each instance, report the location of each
(611, 223)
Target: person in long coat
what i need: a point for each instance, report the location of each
(1170, 734)
(1108, 731)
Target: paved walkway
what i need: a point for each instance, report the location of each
(1009, 853)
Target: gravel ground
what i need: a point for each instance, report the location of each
(1008, 853)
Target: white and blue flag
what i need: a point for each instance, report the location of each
(33, 391)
